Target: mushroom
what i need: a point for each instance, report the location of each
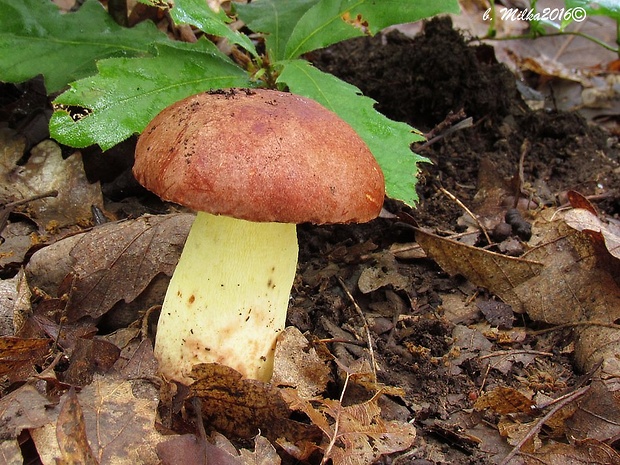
(253, 164)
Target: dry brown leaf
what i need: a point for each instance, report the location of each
(47, 170)
(584, 220)
(24, 408)
(298, 365)
(498, 273)
(120, 417)
(17, 355)
(588, 452)
(90, 356)
(362, 436)
(597, 415)
(117, 261)
(504, 400)
(241, 407)
(14, 303)
(564, 280)
(71, 433)
(383, 273)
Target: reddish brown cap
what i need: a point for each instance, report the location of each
(260, 155)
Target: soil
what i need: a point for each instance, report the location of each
(423, 81)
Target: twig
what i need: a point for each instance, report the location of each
(17, 203)
(571, 325)
(466, 123)
(539, 424)
(366, 328)
(468, 211)
(333, 439)
(500, 353)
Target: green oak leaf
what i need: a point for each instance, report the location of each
(195, 12)
(388, 140)
(296, 28)
(127, 93)
(276, 18)
(609, 8)
(35, 38)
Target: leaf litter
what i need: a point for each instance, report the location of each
(450, 379)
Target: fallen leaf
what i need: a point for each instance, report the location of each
(354, 434)
(383, 273)
(504, 400)
(14, 303)
(119, 418)
(596, 416)
(17, 355)
(241, 407)
(500, 274)
(47, 170)
(71, 433)
(117, 261)
(90, 356)
(581, 452)
(24, 408)
(298, 365)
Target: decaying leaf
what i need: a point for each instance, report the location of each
(189, 449)
(14, 303)
(24, 408)
(298, 365)
(46, 170)
(589, 452)
(596, 416)
(17, 355)
(71, 433)
(354, 434)
(117, 261)
(584, 220)
(563, 280)
(118, 417)
(500, 274)
(240, 407)
(504, 400)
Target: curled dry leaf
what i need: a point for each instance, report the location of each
(607, 234)
(243, 407)
(362, 436)
(117, 261)
(71, 433)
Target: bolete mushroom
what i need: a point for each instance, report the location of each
(253, 163)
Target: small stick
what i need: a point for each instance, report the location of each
(539, 424)
(468, 211)
(361, 314)
(500, 353)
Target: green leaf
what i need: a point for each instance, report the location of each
(388, 140)
(129, 92)
(197, 13)
(276, 18)
(36, 39)
(295, 27)
(609, 8)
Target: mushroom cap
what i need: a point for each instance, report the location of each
(260, 155)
